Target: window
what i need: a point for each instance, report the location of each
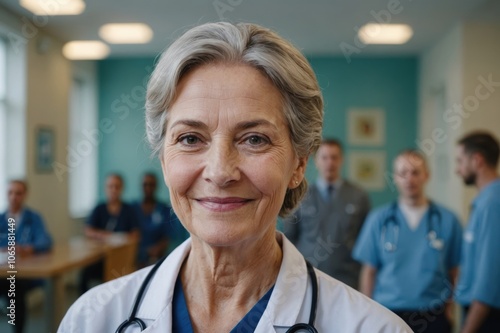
(84, 140)
(3, 121)
(12, 107)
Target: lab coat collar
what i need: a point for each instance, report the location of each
(159, 294)
(284, 305)
(290, 289)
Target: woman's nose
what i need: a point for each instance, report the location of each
(222, 167)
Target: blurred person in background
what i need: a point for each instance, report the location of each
(478, 287)
(410, 250)
(112, 216)
(158, 223)
(329, 219)
(31, 237)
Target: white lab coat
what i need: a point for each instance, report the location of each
(340, 308)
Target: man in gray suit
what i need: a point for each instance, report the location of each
(327, 223)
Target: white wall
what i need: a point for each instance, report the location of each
(481, 63)
(46, 100)
(455, 98)
(440, 88)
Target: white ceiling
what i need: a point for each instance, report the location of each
(317, 26)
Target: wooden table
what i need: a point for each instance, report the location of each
(118, 253)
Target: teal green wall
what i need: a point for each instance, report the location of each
(387, 83)
(122, 85)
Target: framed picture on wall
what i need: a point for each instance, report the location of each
(366, 127)
(367, 168)
(44, 149)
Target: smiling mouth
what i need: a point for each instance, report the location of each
(222, 204)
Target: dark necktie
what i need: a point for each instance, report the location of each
(330, 190)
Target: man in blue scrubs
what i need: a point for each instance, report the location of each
(410, 251)
(478, 288)
(31, 237)
(159, 226)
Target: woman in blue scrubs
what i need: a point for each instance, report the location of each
(108, 217)
(410, 250)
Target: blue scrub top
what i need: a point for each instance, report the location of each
(181, 322)
(480, 267)
(415, 276)
(162, 223)
(30, 230)
(126, 221)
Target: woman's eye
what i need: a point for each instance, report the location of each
(189, 140)
(256, 140)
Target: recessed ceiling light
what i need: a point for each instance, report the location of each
(126, 33)
(374, 33)
(44, 7)
(85, 50)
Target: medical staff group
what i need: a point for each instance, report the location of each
(231, 174)
(412, 251)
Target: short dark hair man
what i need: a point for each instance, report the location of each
(328, 221)
(478, 288)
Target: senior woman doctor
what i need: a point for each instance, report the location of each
(234, 111)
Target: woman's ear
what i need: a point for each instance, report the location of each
(298, 172)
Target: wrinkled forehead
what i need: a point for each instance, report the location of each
(218, 80)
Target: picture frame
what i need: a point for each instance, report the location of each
(367, 169)
(44, 149)
(366, 126)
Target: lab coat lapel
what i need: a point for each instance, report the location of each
(163, 323)
(284, 307)
(158, 295)
(285, 304)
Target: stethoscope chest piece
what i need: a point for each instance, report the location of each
(389, 247)
(435, 242)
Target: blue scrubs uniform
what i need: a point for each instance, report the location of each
(479, 278)
(162, 223)
(181, 322)
(126, 221)
(413, 275)
(30, 230)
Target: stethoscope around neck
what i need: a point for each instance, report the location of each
(433, 222)
(300, 327)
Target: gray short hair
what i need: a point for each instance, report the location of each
(259, 48)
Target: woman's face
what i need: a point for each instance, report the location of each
(228, 159)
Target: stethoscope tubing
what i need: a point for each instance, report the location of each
(391, 218)
(133, 320)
